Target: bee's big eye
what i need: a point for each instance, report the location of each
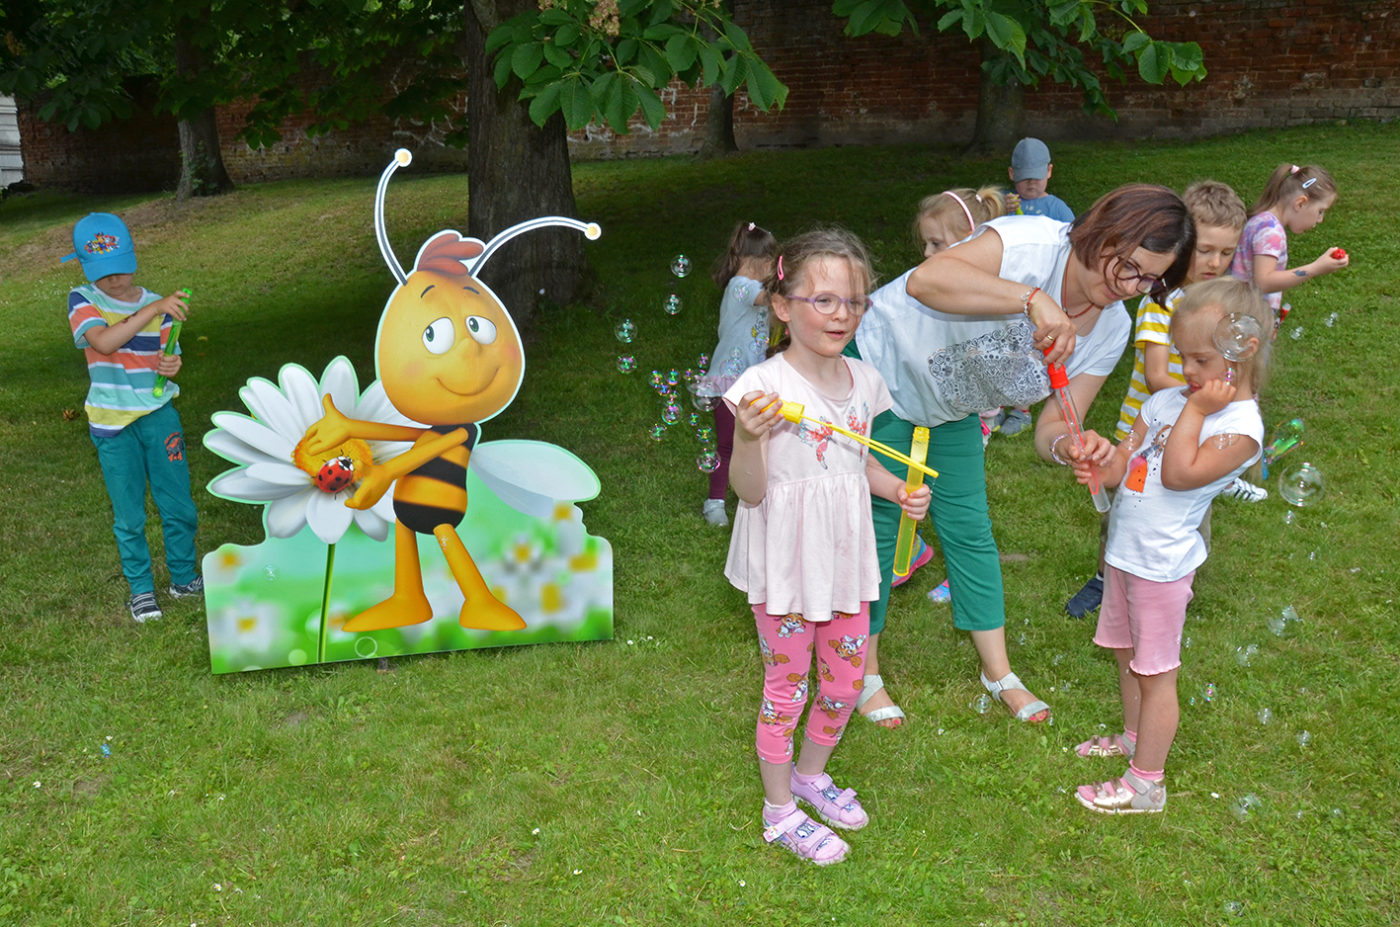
(483, 330)
(438, 336)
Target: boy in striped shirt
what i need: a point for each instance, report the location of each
(123, 329)
(1219, 215)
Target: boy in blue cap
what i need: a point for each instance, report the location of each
(123, 329)
(1030, 171)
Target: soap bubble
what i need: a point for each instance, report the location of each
(657, 432)
(1279, 623)
(703, 363)
(1265, 716)
(657, 378)
(705, 434)
(626, 363)
(981, 704)
(680, 266)
(626, 331)
(671, 413)
(1301, 485)
(1287, 437)
(1186, 641)
(1246, 805)
(1297, 333)
(708, 462)
(1234, 333)
(1288, 517)
(1234, 908)
(1331, 320)
(1208, 693)
(693, 420)
(673, 376)
(672, 305)
(1245, 655)
(702, 396)
(1304, 738)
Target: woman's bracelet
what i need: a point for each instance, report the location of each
(1056, 443)
(1026, 300)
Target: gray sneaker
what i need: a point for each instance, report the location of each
(194, 587)
(143, 607)
(1013, 421)
(714, 512)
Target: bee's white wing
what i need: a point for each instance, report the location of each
(531, 476)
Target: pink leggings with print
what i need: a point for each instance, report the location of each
(786, 643)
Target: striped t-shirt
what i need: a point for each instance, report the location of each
(1153, 327)
(122, 382)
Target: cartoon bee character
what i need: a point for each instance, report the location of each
(792, 624)
(848, 648)
(449, 357)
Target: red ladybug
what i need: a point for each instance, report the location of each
(335, 474)
(1338, 253)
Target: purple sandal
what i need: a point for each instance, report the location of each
(807, 839)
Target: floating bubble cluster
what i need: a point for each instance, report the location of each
(1301, 485)
(1279, 623)
(1297, 333)
(680, 266)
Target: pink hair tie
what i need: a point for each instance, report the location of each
(1294, 169)
(971, 225)
(780, 267)
(750, 226)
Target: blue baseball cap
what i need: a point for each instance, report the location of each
(102, 244)
(1030, 160)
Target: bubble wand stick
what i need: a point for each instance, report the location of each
(171, 343)
(904, 543)
(1059, 382)
(792, 411)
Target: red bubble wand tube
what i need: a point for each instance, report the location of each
(1059, 382)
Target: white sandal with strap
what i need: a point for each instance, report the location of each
(1012, 681)
(869, 686)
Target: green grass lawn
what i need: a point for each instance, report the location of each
(615, 783)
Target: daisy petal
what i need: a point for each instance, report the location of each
(279, 474)
(339, 382)
(328, 516)
(255, 434)
(286, 516)
(232, 448)
(269, 406)
(371, 522)
(237, 486)
(305, 397)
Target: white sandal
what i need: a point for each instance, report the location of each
(1012, 681)
(869, 686)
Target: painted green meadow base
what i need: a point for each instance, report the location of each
(284, 602)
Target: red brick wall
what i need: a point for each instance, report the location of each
(1270, 63)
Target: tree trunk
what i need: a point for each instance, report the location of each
(202, 171)
(517, 171)
(719, 126)
(1000, 108)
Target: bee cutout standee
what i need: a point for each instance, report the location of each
(325, 459)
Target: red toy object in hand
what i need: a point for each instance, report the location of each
(1338, 253)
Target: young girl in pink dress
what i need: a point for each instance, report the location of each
(803, 546)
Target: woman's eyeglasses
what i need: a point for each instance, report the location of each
(1131, 274)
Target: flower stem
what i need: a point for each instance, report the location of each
(325, 604)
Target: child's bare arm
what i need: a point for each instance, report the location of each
(754, 417)
(886, 485)
(108, 339)
(1270, 278)
(1189, 464)
(1156, 366)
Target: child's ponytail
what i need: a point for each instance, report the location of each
(1288, 181)
(746, 241)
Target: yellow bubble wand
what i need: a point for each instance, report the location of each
(904, 543)
(793, 412)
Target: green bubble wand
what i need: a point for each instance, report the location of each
(170, 345)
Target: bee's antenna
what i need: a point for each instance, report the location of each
(402, 157)
(590, 230)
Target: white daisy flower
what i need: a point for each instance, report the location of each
(274, 471)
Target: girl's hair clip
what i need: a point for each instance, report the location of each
(750, 226)
(1309, 182)
(1294, 169)
(780, 267)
